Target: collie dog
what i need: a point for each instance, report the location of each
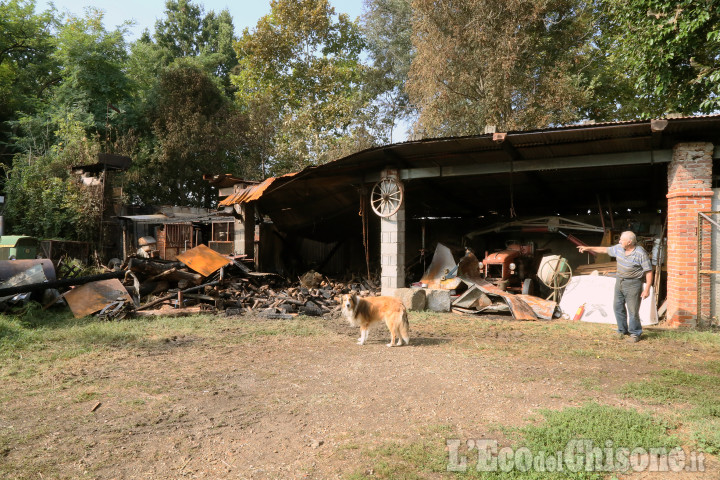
(364, 312)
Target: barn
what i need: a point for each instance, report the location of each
(548, 189)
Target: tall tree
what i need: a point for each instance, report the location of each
(27, 70)
(511, 63)
(64, 128)
(301, 77)
(387, 26)
(187, 31)
(43, 198)
(196, 130)
(93, 67)
(181, 29)
(670, 51)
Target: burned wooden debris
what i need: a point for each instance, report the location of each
(208, 282)
(202, 280)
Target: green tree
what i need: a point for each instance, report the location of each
(63, 128)
(387, 27)
(611, 87)
(93, 61)
(26, 67)
(181, 29)
(514, 64)
(182, 122)
(187, 31)
(43, 198)
(301, 80)
(195, 130)
(669, 50)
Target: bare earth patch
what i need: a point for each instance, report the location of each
(249, 398)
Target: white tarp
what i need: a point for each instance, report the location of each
(596, 292)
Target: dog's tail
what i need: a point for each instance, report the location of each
(405, 328)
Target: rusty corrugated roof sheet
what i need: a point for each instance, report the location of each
(252, 192)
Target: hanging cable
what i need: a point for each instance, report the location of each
(365, 227)
(512, 193)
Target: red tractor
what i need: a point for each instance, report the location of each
(513, 269)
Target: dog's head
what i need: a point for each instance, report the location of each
(349, 302)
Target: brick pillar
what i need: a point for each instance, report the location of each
(245, 230)
(392, 251)
(689, 192)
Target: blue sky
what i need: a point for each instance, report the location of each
(145, 12)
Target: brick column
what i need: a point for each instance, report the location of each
(245, 230)
(689, 192)
(392, 251)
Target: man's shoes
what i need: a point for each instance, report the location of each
(619, 335)
(633, 338)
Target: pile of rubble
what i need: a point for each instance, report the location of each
(462, 289)
(201, 280)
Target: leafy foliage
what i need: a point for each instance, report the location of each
(196, 131)
(387, 26)
(186, 31)
(301, 80)
(307, 85)
(92, 74)
(46, 200)
(512, 64)
(26, 66)
(670, 49)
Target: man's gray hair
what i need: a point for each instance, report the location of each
(630, 236)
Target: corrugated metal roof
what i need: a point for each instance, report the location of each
(253, 192)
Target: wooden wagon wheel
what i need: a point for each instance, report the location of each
(386, 197)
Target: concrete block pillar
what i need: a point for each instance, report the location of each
(392, 251)
(689, 192)
(245, 230)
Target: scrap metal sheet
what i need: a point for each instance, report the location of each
(442, 263)
(519, 309)
(544, 309)
(203, 260)
(472, 298)
(10, 268)
(252, 192)
(470, 273)
(34, 274)
(93, 297)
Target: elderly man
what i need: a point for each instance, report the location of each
(633, 264)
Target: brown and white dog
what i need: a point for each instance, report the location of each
(364, 312)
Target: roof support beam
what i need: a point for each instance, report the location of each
(558, 163)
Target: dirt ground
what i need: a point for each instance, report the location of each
(244, 398)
